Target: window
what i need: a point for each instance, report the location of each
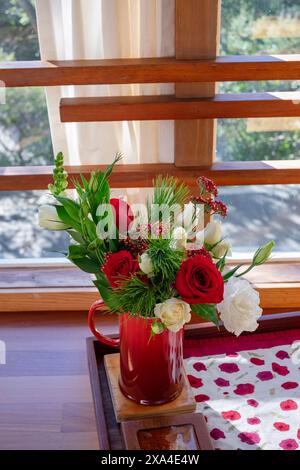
(261, 27)
(248, 27)
(24, 139)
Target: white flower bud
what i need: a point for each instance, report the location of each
(213, 232)
(179, 238)
(49, 219)
(146, 264)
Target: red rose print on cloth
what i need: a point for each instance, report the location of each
(250, 438)
(265, 375)
(222, 382)
(231, 415)
(198, 366)
(289, 385)
(282, 355)
(200, 398)
(194, 381)
(252, 402)
(229, 367)
(289, 444)
(217, 434)
(244, 389)
(283, 427)
(281, 370)
(257, 361)
(288, 405)
(253, 421)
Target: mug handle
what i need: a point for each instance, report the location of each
(103, 339)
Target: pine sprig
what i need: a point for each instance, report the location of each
(165, 259)
(168, 192)
(133, 296)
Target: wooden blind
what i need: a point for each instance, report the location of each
(195, 70)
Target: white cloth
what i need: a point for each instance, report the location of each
(103, 29)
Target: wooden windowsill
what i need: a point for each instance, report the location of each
(68, 289)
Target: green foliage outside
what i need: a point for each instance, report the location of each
(238, 17)
(24, 126)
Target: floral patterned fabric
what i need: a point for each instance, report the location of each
(250, 398)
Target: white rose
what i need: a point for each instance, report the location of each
(174, 313)
(221, 249)
(179, 237)
(49, 219)
(146, 264)
(240, 308)
(213, 232)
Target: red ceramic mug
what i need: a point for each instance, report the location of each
(151, 368)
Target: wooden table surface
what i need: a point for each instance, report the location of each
(45, 395)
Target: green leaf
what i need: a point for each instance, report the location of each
(76, 236)
(206, 311)
(157, 328)
(84, 182)
(91, 228)
(110, 167)
(86, 264)
(71, 207)
(221, 263)
(76, 251)
(102, 279)
(231, 273)
(104, 291)
(64, 216)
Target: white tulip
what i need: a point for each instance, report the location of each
(174, 313)
(185, 218)
(179, 238)
(146, 264)
(49, 219)
(240, 308)
(221, 249)
(213, 232)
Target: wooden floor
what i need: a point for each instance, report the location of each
(45, 396)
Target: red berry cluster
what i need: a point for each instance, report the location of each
(218, 207)
(208, 192)
(200, 251)
(207, 186)
(135, 247)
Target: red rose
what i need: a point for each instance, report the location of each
(119, 266)
(198, 281)
(123, 213)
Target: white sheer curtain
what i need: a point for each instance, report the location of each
(102, 29)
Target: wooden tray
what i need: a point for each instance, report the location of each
(109, 432)
(126, 409)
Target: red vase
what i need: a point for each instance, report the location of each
(151, 368)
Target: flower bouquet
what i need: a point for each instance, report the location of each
(153, 265)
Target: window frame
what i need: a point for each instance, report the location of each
(195, 70)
